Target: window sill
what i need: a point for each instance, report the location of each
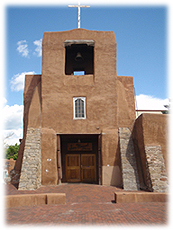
(81, 118)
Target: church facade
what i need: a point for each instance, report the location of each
(79, 118)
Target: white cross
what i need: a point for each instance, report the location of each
(78, 6)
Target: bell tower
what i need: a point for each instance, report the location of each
(79, 95)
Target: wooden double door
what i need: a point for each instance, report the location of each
(81, 168)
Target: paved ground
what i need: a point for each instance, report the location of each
(86, 204)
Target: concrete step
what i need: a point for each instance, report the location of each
(134, 197)
(34, 199)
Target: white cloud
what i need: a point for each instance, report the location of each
(12, 116)
(17, 81)
(11, 137)
(23, 48)
(38, 49)
(147, 102)
(4, 100)
(24, 51)
(13, 124)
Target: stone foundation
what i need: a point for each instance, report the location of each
(156, 172)
(30, 177)
(128, 160)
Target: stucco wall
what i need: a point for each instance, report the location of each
(99, 89)
(126, 101)
(156, 131)
(48, 102)
(49, 157)
(59, 89)
(111, 164)
(149, 130)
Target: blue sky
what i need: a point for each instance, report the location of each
(141, 33)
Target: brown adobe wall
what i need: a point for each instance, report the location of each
(156, 132)
(59, 89)
(106, 96)
(50, 95)
(31, 118)
(149, 130)
(126, 101)
(100, 90)
(111, 162)
(49, 157)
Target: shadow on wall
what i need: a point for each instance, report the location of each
(131, 157)
(143, 185)
(116, 178)
(138, 140)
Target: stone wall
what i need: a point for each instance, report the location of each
(30, 178)
(128, 160)
(156, 171)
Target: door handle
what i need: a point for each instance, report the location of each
(81, 166)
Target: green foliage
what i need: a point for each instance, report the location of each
(166, 111)
(12, 151)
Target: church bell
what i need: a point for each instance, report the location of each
(78, 57)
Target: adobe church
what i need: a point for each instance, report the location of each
(80, 123)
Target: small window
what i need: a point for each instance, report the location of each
(79, 107)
